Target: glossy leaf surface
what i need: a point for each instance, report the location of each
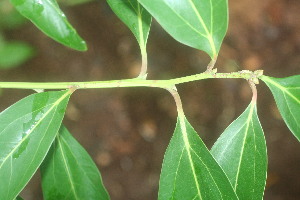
(241, 152)
(68, 172)
(201, 24)
(27, 130)
(136, 18)
(48, 17)
(286, 92)
(189, 171)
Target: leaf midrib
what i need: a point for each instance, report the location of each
(208, 33)
(23, 116)
(199, 17)
(70, 178)
(187, 147)
(35, 152)
(186, 22)
(249, 119)
(207, 168)
(267, 79)
(140, 22)
(138, 12)
(24, 138)
(78, 164)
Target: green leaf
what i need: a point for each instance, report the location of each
(19, 198)
(242, 154)
(68, 172)
(27, 130)
(48, 17)
(13, 54)
(201, 24)
(286, 92)
(189, 171)
(137, 19)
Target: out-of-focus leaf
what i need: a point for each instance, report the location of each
(48, 17)
(201, 24)
(74, 2)
(68, 172)
(27, 130)
(189, 171)
(19, 198)
(13, 54)
(241, 152)
(136, 18)
(2, 41)
(286, 92)
(12, 21)
(10, 18)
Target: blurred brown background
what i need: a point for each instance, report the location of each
(126, 130)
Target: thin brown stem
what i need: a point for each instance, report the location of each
(177, 99)
(211, 65)
(254, 90)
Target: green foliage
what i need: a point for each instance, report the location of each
(28, 129)
(136, 18)
(286, 92)
(241, 152)
(48, 17)
(236, 166)
(189, 171)
(65, 169)
(200, 24)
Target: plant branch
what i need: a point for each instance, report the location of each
(136, 82)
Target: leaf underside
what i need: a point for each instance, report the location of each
(286, 92)
(68, 172)
(241, 152)
(189, 171)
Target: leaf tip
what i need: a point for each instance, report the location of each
(81, 46)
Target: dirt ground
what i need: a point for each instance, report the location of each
(127, 130)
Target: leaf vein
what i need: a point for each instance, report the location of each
(23, 139)
(176, 173)
(244, 141)
(70, 178)
(186, 22)
(188, 147)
